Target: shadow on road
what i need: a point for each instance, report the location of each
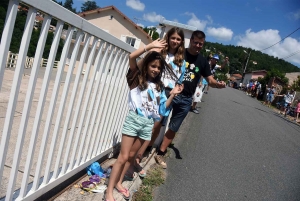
(176, 151)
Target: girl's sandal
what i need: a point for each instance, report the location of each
(124, 192)
(142, 173)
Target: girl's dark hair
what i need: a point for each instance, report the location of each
(179, 54)
(143, 77)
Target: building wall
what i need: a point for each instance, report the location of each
(292, 77)
(247, 78)
(254, 75)
(117, 26)
(257, 75)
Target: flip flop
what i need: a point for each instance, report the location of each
(139, 170)
(142, 174)
(122, 192)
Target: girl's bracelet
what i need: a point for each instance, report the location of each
(145, 48)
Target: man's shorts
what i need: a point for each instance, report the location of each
(181, 106)
(270, 97)
(138, 126)
(286, 104)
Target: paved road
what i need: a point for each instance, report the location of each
(235, 149)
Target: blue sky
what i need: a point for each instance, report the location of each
(257, 24)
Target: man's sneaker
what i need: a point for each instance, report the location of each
(160, 160)
(195, 111)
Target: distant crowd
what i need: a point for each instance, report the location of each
(286, 103)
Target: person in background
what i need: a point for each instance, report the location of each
(288, 100)
(198, 96)
(297, 111)
(213, 66)
(270, 95)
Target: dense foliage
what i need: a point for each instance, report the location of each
(89, 5)
(257, 61)
(18, 33)
(148, 30)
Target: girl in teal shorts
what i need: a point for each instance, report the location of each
(146, 101)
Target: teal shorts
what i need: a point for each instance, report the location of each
(138, 126)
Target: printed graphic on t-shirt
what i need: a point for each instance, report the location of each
(146, 102)
(191, 69)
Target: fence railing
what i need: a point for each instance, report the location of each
(56, 121)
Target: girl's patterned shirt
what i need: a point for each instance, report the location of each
(179, 72)
(148, 103)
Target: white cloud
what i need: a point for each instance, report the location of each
(135, 4)
(297, 15)
(265, 38)
(222, 33)
(194, 21)
(152, 17)
(140, 25)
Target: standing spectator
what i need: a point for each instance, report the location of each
(213, 66)
(258, 89)
(297, 111)
(197, 97)
(288, 100)
(270, 95)
(196, 67)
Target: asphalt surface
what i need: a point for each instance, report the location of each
(235, 149)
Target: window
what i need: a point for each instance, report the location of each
(130, 41)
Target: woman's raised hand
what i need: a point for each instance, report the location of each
(157, 45)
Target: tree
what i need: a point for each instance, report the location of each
(69, 5)
(149, 31)
(296, 84)
(89, 5)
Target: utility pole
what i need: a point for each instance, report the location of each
(245, 65)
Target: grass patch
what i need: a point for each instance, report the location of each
(155, 177)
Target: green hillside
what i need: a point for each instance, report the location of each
(238, 59)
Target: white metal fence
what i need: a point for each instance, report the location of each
(56, 121)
